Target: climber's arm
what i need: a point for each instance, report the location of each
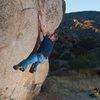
(42, 28)
(43, 31)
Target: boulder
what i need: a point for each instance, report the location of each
(18, 37)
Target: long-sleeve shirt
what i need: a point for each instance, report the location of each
(46, 46)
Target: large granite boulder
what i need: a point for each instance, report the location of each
(18, 36)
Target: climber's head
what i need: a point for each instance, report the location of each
(53, 37)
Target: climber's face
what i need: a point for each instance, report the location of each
(53, 37)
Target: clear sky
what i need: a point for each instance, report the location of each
(82, 5)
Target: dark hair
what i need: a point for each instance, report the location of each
(56, 36)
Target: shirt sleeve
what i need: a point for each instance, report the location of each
(46, 37)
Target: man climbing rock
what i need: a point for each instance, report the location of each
(44, 50)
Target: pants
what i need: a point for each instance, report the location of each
(36, 58)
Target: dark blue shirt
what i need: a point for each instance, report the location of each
(46, 46)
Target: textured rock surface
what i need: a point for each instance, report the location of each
(18, 35)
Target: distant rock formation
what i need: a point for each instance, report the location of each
(18, 36)
(86, 24)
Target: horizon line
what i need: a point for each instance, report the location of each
(82, 11)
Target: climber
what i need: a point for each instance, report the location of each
(43, 51)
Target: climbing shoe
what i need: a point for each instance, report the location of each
(32, 70)
(21, 68)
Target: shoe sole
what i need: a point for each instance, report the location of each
(20, 68)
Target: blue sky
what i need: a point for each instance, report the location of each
(82, 5)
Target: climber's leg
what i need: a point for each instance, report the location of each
(32, 59)
(41, 59)
(25, 63)
(35, 66)
(36, 58)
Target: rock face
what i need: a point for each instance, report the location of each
(18, 36)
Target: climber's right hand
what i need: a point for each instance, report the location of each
(42, 28)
